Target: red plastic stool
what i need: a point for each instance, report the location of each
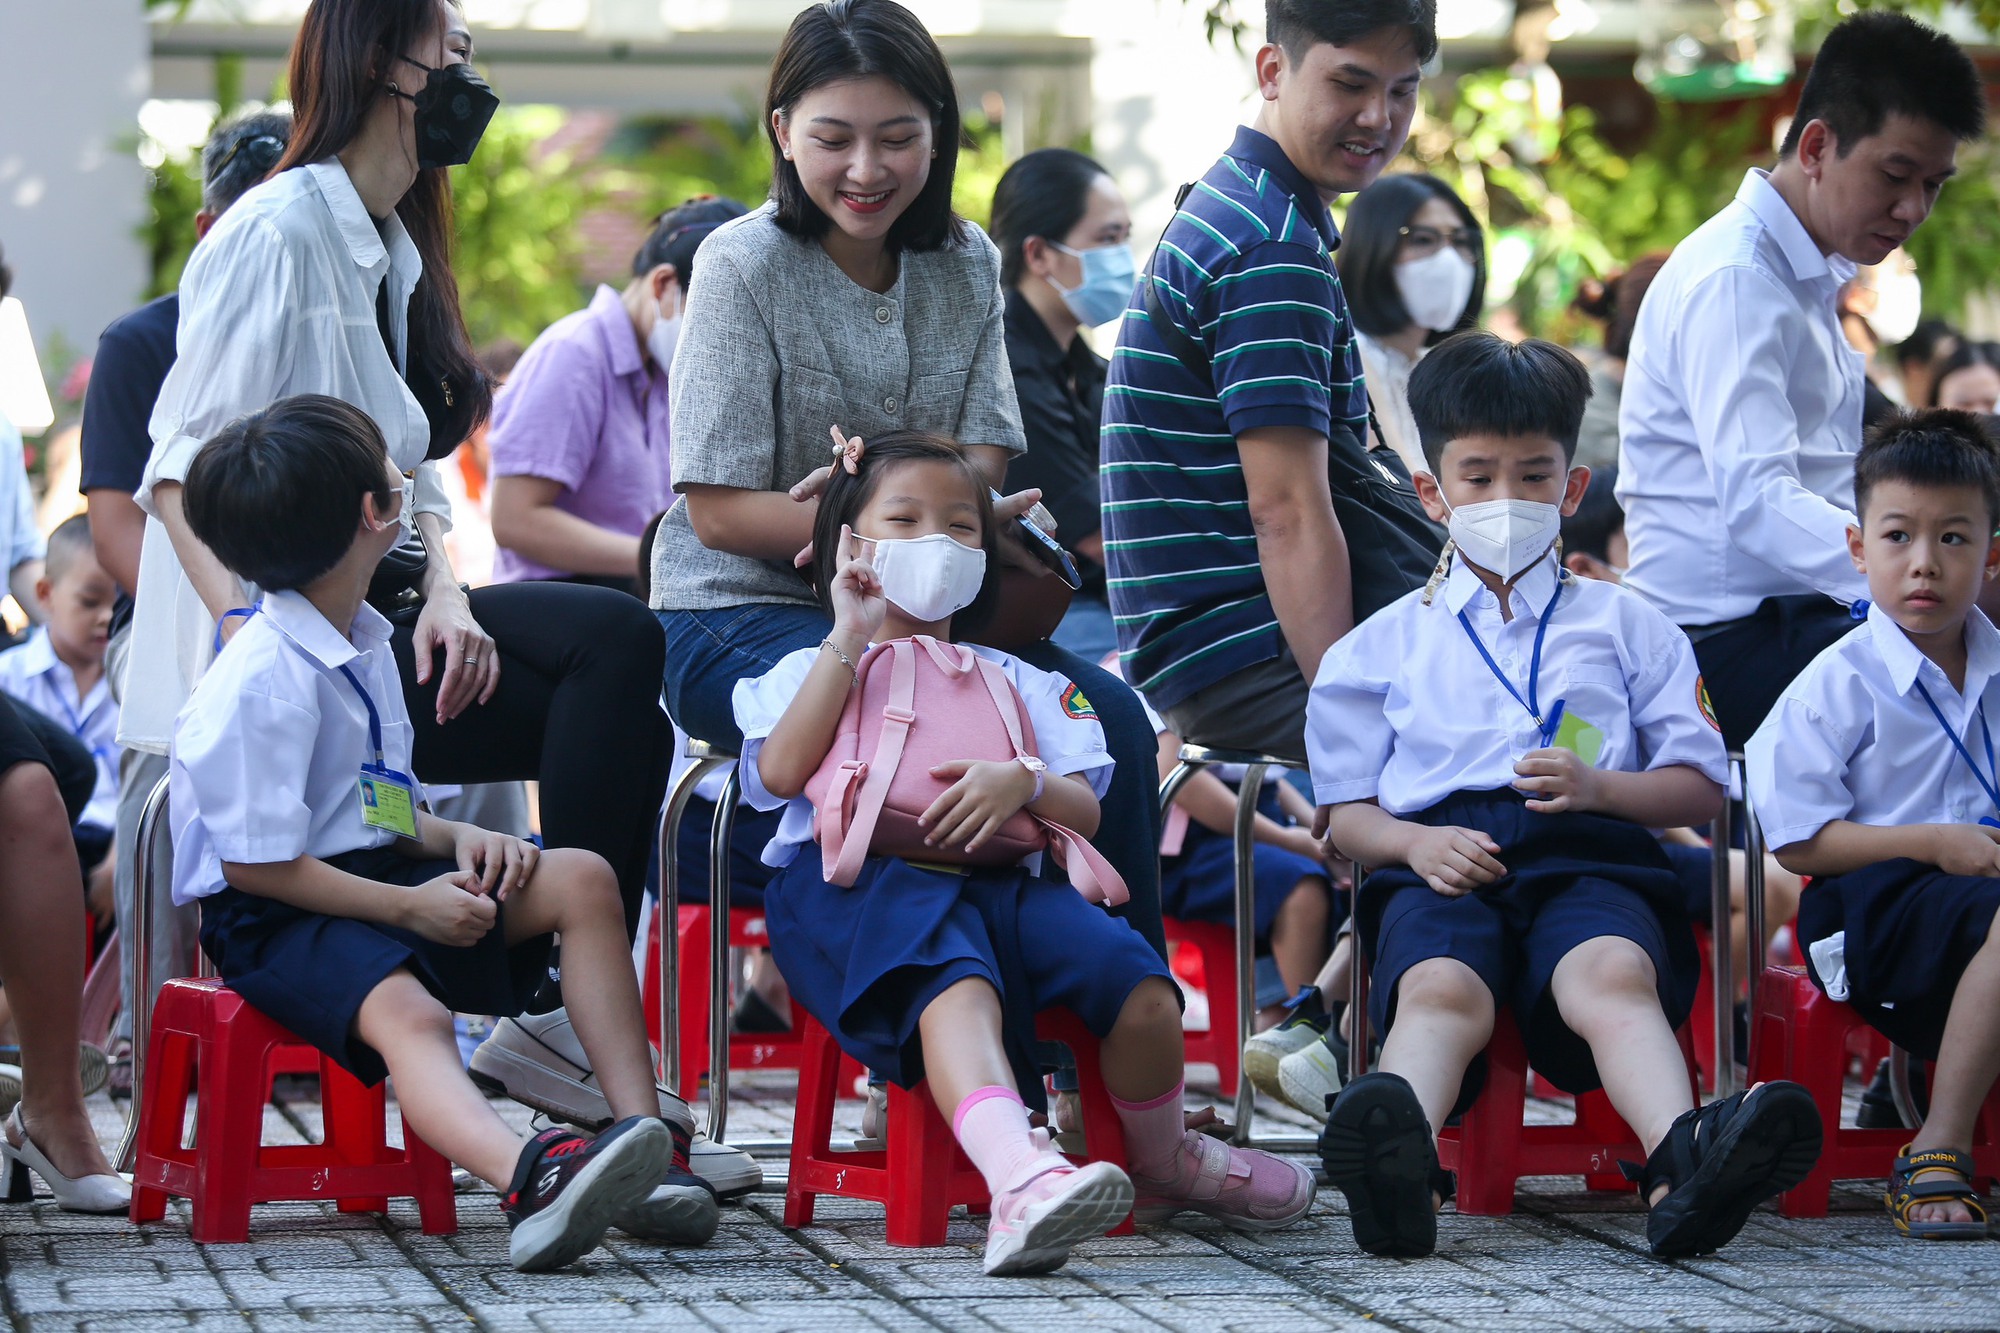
(228, 1168)
(923, 1172)
(1805, 1037)
(1215, 945)
(1491, 1148)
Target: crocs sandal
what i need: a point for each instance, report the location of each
(1721, 1160)
(1946, 1177)
(1378, 1151)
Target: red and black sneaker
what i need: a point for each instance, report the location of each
(567, 1189)
(682, 1207)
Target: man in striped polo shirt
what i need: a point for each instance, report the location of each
(1229, 574)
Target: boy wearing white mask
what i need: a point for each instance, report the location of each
(579, 438)
(1503, 790)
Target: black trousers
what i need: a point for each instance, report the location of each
(1746, 664)
(578, 708)
(27, 736)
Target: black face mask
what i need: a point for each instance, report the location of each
(452, 111)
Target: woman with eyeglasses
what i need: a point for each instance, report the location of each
(1412, 262)
(334, 277)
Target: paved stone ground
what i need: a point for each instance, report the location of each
(1564, 1260)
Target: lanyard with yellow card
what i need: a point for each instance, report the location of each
(388, 798)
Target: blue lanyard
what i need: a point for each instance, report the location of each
(1532, 703)
(1990, 779)
(374, 718)
(245, 611)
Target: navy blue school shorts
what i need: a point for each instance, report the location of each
(309, 973)
(1570, 878)
(1911, 931)
(1199, 884)
(866, 961)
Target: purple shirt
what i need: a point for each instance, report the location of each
(583, 409)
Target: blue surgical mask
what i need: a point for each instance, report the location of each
(1108, 274)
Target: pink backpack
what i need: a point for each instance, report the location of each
(922, 703)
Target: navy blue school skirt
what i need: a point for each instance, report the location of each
(1911, 932)
(1570, 878)
(1199, 884)
(310, 973)
(866, 961)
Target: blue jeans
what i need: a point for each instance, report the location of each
(709, 651)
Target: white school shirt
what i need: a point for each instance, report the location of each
(1851, 737)
(20, 538)
(34, 674)
(1740, 419)
(279, 299)
(1405, 711)
(270, 746)
(1068, 737)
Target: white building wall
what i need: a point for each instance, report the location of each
(72, 193)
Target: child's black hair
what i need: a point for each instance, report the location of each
(277, 494)
(1934, 448)
(1478, 383)
(1598, 517)
(846, 496)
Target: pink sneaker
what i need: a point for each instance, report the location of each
(1251, 1191)
(1034, 1224)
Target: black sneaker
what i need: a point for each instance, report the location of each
(567, 1189)
(682, 1208)
(1721, 1160)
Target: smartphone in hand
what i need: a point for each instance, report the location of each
(1047, 550)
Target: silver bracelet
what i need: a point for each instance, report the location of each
(845, 660)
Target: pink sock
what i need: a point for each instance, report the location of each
(991, 1124)
(1153, 1131)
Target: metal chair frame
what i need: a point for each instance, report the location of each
(1194, 758)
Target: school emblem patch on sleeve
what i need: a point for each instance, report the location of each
(1076, 706)
(1701, 700)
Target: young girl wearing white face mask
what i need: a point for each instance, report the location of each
(1412, 264)
(928, 971)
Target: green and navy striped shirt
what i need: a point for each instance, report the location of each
(1246, 269)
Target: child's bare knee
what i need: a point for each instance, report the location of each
(1444, 986)
(584, 879)
(1605, 970)
(1152, 1003)
(401, 1003)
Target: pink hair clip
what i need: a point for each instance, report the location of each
(847, 451)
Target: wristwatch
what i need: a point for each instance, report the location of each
(1039, 769)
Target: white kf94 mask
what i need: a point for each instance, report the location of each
(929, 578)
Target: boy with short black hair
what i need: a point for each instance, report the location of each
(1874, 774)
(59, 672)
(1496, 747)
(337, 906)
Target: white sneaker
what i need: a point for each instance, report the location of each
(1304, 1025)
(730, 1172)
(875, 1118)
(10, 1088)
(1308, 1077)
(538, 1061)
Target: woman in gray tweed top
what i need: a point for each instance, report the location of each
(856, 298)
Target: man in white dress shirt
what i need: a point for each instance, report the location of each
(1741, 413)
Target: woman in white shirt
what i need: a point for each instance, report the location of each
(1412, 263)
(334, 277)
